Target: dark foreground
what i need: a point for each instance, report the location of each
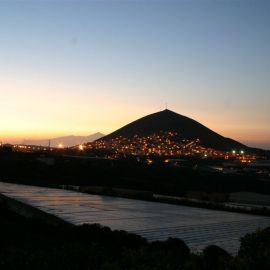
(30, 244)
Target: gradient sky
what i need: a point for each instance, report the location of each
(78, 67)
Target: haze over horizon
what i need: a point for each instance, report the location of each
(93, 66)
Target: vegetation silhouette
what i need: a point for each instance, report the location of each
(32, 244)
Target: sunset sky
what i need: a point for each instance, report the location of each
(80, 67)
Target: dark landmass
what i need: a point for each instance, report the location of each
(32, 244)
(58, 169)
(188, 128)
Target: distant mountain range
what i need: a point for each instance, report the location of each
(186, 127)
(67, 141)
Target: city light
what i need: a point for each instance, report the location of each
(161, 144)
(149, 161)
(81, 147)
(158, 144)
(60, 145)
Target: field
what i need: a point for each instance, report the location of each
(154, 221)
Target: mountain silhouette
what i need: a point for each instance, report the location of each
(67, 141)
(186, 127)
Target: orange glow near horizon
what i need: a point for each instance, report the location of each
(44, 114)
(43, 131)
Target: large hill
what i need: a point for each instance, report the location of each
(188, 128)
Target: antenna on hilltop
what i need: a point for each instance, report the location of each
(166, 105)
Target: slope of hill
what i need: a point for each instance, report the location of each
(186, 127)
(67, 141)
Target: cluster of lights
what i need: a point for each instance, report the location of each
(240, 155)
(29, 148)
(242, 152)
(158, 144)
